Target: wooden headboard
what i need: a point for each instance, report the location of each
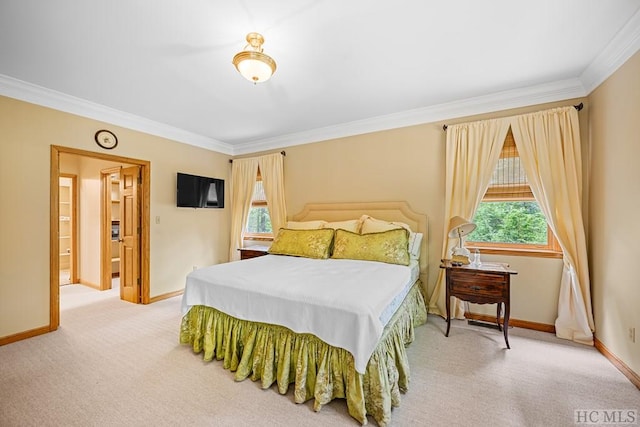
(388, 211)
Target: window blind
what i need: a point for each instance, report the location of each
(258, 194)
(509, 180)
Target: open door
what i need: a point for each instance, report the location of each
(130, 181)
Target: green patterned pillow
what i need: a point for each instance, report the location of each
(304, 243)
(390, 246)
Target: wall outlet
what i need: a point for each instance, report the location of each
(632, 335)
(195, 267)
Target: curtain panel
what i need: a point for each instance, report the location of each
(243, 180)
(272, 171)
(472, 152)
(549, 146)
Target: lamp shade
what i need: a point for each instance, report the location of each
(459, 227)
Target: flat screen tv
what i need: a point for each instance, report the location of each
(195, 191)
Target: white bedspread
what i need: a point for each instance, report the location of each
(338, 300)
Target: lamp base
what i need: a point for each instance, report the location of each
(461, 250)
(460, 259)
(461, 254)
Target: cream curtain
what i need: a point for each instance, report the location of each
(472, 152)
(272, 171)
(549, 147)
(243, 180)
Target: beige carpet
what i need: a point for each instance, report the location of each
(112, 363)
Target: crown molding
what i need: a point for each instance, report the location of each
(522, 97)
(625, 44)
(619, 50)
(21, 90)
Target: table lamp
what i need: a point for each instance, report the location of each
(458, 228)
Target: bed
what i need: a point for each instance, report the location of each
(318, 321)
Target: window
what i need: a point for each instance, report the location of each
(259, 222)
(509, 219)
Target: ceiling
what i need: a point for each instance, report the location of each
(344, 67)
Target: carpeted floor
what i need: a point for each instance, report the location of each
(113, 363)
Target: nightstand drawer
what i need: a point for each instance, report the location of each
(477, 283)
(478, 288)
(478, 275)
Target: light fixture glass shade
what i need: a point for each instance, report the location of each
(251, 63)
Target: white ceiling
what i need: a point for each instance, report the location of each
(344, 67)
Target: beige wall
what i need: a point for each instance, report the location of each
(182, 239)
(400, 164)
(408, 164)
(614, 207)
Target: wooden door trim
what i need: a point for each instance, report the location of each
(54, 236)
(54, 259)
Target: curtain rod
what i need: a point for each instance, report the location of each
(282, 152)
(577, 107)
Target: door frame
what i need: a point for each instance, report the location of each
(54, 223)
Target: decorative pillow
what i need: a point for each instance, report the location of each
(352, 225)
(387, 246)
(372, 225)
(305, 225)
(303, 243)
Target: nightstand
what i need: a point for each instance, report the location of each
(488, 283)
(253, 251)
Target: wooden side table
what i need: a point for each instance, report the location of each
(488, 283)
(253, 251)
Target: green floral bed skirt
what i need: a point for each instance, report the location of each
(271, 353)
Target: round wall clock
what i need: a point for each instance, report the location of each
(106, 139)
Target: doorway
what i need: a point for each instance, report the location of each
(140, 259)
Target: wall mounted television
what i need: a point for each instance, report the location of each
(193, 191)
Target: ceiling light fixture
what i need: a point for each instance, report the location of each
(254, 65)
